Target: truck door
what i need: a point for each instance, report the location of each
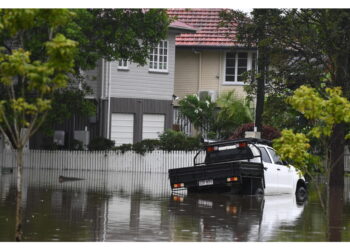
(270, 173)
(284, 174)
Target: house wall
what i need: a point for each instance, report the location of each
(139, 82)
(186, 72)
(201, 70)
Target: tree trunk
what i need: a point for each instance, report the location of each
(336, 176)
(336, 183)
(260, 95)
(19, 162)
(335, 213)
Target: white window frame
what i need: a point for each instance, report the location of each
(123, 64)
(156, 52)
(249, 66)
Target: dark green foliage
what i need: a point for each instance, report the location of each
(111, 34)
(66, 103)
(124, 148)
(216, 120)
(101, 143)
(145, 146)
(172, 140)
(200, 111)
(268, 132)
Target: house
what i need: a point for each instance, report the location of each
(210, 60)
(133, 102)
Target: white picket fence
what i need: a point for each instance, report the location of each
(156, 161)
(347, 162)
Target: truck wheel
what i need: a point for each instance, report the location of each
(259, 191)
(301, 194)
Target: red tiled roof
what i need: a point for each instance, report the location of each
(206, 21)
(182, 26)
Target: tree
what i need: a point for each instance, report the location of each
(29, 83)
(111, 34)
(253, 31)
(325, 108)
(306, 45)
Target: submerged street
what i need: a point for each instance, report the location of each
(115, 206)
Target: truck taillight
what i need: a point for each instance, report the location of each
(179, 185)
(211, 149)
(178, 198)
(232, 179)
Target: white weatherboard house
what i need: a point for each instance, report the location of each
(135, 102)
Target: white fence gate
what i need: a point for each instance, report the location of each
(156, 161)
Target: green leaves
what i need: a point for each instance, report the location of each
(29, 83)
(325, 111)
(325, 108)
(218, 118)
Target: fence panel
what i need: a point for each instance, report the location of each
(153, 162)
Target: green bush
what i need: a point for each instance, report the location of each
(176, 140)
(124, 147)
(101, 143)
(170, 140)
(144, 146)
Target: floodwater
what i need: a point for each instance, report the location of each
(111, 206)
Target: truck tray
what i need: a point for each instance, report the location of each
(215, 174)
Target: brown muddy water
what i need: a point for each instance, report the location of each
(133, 207)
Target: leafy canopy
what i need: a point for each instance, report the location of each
(29, 83)
(324, 108)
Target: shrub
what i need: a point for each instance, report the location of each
(268, 133)
(176, 140)
(124, 147)
(101, 143)
(170, 140)
(144, 146)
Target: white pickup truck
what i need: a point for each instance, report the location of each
(248, 166)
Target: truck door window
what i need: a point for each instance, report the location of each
(275, 157)
(264, 155)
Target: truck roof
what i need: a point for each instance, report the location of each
(248, 140)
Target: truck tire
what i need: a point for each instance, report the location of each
(301, 194)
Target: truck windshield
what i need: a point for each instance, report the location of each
(229, 153)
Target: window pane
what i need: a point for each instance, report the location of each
(242, 55)
(242, 62)
(230, 71)
(230, 63)
(230, 55)
(275, 157)
(240, 71)
(264, 155)
(151, 65)
(230, 78)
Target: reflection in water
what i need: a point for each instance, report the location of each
(111, 206)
